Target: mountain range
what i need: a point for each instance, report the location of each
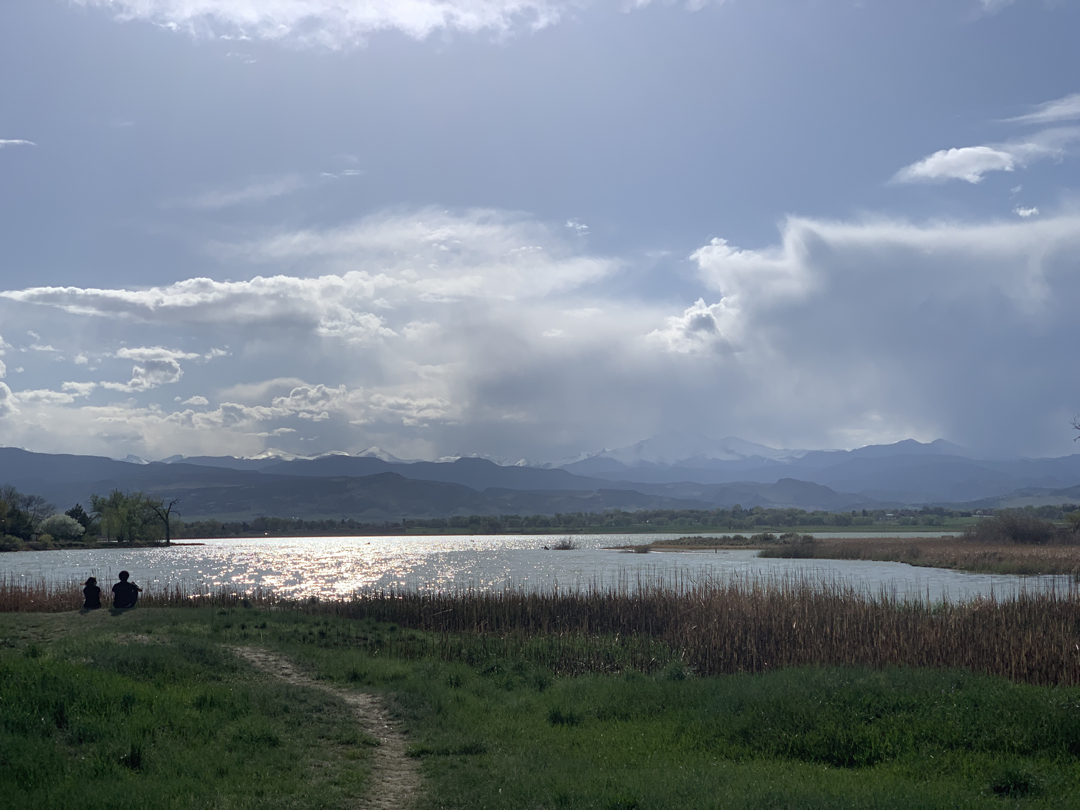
(675, 470)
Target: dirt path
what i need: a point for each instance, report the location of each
(395, 778)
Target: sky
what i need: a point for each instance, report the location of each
(537, 228)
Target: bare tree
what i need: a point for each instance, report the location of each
(164, 511)
(37, 507)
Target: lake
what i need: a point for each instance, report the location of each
(335, 567)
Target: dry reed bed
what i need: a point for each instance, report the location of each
(42, 596)
(755, 625)
(735, 625)
(956, 553)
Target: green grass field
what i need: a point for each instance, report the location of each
(152, 709)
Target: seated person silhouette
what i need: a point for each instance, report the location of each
(92, 595)
(125, 594)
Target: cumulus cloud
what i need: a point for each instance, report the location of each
(328, 302)
(1062, 109)
(1026, 212)
(972, 163)
(896, 321)
(43, 396)
(333, 25)
(498, 337)
(78, 389)
(318, 402)
(967, 163)
(154, 366)
(149, 374)
(699, 328)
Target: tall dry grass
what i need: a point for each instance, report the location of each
(960, 553)
(754, 625)
(715, 626)
(42, 596)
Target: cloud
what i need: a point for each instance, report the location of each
(700, 328)
(78, 389)
(5, 143)
(968, 163)
(154, 366)
(334, 25)
(441, 255)
(430, 257)
(888, 322)
(43, 396)
(257, 192)
(1062, 109)
(972, 163)
(1026, 212)
(149, 374)
(143, 354)
(499, 335)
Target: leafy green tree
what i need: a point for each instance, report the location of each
(78, 513)
(126, 518)
(14, 520)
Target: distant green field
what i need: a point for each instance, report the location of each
(151, 709)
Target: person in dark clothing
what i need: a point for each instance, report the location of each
(125, 594)
(91, 595)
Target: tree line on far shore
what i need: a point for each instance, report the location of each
(30, 522)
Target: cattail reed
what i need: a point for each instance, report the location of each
(44, 596)
(712, 625)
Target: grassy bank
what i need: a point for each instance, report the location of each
(715, 626)
(102, 711)
(151, 708)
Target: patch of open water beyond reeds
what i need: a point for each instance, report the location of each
(336, 567)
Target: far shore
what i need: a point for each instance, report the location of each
(913, 547)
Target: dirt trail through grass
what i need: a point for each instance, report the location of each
(395, 777)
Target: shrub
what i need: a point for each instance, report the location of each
(566, 544)
(1009, 527)
(62, 527)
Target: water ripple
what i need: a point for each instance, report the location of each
(335, 567)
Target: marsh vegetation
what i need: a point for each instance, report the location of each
(152, 708)
(711, 626)
(1009, 543)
